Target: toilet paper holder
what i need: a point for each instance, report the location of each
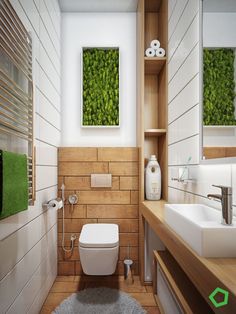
(56, 203)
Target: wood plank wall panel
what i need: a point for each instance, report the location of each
(118, 204)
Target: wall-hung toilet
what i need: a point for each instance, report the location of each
(99, 248)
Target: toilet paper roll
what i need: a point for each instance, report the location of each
(155, 44)
(160, 52)
(150, 52)
(57, 203)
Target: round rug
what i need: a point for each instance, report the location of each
(99, 301)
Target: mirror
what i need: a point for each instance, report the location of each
(218, 79)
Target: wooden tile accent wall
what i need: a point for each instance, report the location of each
(118, 204)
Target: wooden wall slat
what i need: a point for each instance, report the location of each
(105, 197)
(75, 211)
(82, 168)
(134, 197)
(66, 268)
(118, 204)
(75, 154)
(123, 168)
(118, 154)
(112, 211)
(129, 183)
(129, 238)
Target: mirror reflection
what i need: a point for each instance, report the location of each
(219, 76)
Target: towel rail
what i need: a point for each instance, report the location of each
(12, 110)
(14, 127)
(6, 82)
(14, 133)
(9, 51)
(20, 105)
(16, 90)
(25, 53)
(15, 19)
(14, 120)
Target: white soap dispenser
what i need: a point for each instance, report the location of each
(153, 179)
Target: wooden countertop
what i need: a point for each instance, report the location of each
(206, 273)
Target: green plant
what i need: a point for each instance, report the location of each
(101, 86)
(219, 87)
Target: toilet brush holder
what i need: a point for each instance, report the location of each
(128, 271)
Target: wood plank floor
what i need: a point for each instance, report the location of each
(64, 286)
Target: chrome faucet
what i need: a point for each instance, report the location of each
(226, 201)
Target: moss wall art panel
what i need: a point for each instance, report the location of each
(100, 90)
(219, 87)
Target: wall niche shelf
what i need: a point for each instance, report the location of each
(152, 19)
(154, 65)
(154, 132)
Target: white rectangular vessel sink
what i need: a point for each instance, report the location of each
(200, 226)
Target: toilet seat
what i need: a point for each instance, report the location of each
(99, 235)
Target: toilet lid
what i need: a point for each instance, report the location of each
(99, 235)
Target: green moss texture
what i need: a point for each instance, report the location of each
(101, 87)
(219, 87)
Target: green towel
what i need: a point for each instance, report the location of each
(13, 183)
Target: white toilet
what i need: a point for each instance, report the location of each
(99, 248)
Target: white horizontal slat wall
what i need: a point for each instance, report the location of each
(28, 246)
(184, 112)
(171, 6)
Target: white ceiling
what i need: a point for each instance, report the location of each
(219, 5)
(98, 5)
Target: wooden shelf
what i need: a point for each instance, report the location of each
(154, 132)
(185, 292)
(152, 5)
(153, 65)
(219, 272)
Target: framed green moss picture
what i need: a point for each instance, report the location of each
(100, 87)
(219, 86)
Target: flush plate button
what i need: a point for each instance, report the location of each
(103, 180)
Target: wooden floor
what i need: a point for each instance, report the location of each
(66, 285)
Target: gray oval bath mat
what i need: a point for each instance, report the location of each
(99, 301)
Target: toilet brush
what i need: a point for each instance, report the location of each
(128, 267)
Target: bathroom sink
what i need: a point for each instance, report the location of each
(200, 226)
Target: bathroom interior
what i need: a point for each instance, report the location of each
(117, 156)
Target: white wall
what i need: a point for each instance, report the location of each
(219, 29)
(98, 29)
(183, 110)
(28, 246)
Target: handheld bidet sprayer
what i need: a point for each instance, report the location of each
(73, 237)
(63, 192)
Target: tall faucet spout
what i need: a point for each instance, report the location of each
(226, 202)
(214, 196)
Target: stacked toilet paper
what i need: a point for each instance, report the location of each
(155, 49)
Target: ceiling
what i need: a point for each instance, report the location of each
(98, 5)
(219, 6)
